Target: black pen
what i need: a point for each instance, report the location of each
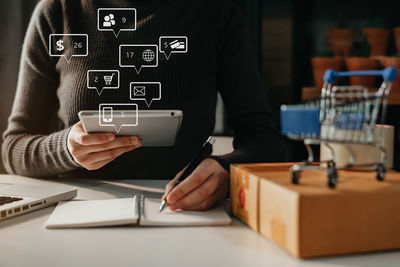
(204, 152)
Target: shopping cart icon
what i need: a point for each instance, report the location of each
(108, 79)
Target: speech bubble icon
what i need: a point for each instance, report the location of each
(116, 20)
(146, 91)
(173, 44)
(68, 45)
(138, 56)
(118, 115)
(102, 79)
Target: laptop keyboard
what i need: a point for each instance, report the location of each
(6, 200)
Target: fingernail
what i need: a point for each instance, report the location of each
(110, 137)
(134, 141)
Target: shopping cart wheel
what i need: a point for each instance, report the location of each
(295, 177)
(380, 172)
(332, 177)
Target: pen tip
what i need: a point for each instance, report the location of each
(162, 205)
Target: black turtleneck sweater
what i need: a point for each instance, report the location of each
(51, 92)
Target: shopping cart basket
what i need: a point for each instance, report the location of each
(343, 115)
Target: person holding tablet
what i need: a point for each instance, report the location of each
(45, 138)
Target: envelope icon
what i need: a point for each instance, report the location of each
(139, 90)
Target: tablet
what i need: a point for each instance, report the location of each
(153, 127)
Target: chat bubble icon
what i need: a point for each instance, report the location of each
(102, 79)
(145, 91)
(118, 115)
(173, 44)
(68, 45)
(138, 56)
(116, 20)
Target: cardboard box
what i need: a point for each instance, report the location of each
(309, 219)
(244, 196)
(244, 190)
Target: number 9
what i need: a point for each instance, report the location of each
(123, 20)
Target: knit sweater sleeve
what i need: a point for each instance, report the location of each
(256, 138)
(32, 144)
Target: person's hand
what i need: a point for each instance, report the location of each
(206, 186)
(93, 151)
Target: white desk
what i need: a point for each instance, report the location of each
(25, 242)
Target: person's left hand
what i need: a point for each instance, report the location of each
(206, 186)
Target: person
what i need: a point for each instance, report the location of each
(45, 138)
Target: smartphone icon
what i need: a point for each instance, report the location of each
(107, 114)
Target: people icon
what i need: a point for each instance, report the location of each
(109, 20)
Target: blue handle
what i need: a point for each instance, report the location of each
(388, 74)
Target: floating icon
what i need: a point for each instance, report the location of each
(108, 20)
(102, 79)
(145, 91)
(107, 114)
(139, 90)
(173, 44)
(118, 115)
(116, 19)
(177, 45)
(60, 46)
(148, 55)
(108, 79)
(68, 45)
(138, 56)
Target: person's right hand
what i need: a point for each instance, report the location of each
(93, 151)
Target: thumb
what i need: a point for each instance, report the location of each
(171, 184)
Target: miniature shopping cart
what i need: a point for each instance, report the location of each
(108, 79)
(343, 115)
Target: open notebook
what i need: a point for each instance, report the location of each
(137, 210)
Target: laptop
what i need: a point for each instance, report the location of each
(16, 199)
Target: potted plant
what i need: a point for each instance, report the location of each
(324, 61)
(396, 33)
(340, 39)
(361, 61)
(377, 35)
(394, 61)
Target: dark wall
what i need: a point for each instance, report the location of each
(311, 18)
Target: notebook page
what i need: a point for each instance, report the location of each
(94, 213)
(152, 217)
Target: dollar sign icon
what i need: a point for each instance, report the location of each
(60, 46)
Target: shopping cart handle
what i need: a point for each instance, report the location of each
(388, 74)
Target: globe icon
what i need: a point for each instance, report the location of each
(148, 55)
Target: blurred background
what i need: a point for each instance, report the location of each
(293, 39)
